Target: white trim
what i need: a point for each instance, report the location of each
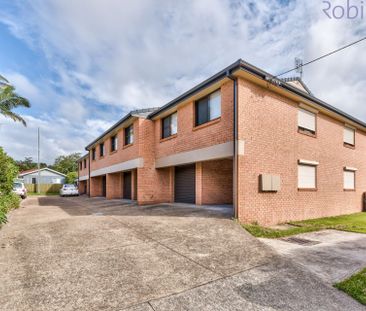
(124, 166)
(85, 177)
(349, 168)
(315, 163)
(220, 151)
(42, 169)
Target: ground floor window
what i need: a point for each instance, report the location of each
(349, 179)
(306, 176)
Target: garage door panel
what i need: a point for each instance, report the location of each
(185, 184)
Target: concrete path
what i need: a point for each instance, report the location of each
(332, 255)
(92, 254)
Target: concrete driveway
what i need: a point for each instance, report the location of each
(93, 254)
(332, 255)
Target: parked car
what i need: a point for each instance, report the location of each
(69, 190)
(20, 189)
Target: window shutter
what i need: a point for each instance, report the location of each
(131, 134)
(174, 124)
(306, 119)
(349, 136)
(215, 105)
(306, 176)
(349, 180)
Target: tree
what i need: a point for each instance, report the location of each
(9, 100)
(66, 164)
(28, 164)
(71, 177)
(9, 172)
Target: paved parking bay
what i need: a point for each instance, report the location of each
(93, 254)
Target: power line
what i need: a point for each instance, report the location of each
(321, 57)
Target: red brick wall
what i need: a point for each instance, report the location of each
(153, 184)
(190, 138)
(268, 125)
(84, 171)
(217, 182)
(96, 186)
(114, 186)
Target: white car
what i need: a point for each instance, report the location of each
(20, 189)
(69, 190)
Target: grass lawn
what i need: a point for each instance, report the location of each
(355, 286)
(353, 223)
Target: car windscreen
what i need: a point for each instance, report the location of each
(17, 185)
(69, 186)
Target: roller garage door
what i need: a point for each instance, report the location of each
(185, 184)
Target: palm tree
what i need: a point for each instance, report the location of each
(3, 80)
(10, 100)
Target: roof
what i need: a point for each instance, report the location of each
(297, 79)
(82, 157)
(140, 113)
(242, 65)
(27, 172)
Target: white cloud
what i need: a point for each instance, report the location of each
(127, 55)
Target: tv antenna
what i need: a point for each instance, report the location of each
(298, 66)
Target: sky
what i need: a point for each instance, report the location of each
(84, 64)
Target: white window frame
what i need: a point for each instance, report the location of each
(347, 172)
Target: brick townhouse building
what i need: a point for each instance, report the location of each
(266, 146)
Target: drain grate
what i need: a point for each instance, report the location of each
(300, 241)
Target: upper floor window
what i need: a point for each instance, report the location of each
(169, 125)
(114, 143)
(93, 154)
(349, 136)
(208, 108)
(129, 135)
(306, 121)
(101, 149)
(84, 163)
(80, 165)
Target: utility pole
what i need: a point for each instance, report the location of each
(39, 165)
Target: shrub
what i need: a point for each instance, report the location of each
(7, 202)
(8, 172)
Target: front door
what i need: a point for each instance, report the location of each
(127, 180)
